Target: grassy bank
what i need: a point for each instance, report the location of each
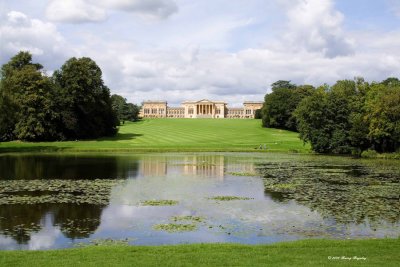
(160, 135)
(300, 253)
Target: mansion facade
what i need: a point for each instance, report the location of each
(199, 109)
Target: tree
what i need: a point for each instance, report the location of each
(120, 107)
(358, 134)
(277, 111)
(86, 102)
(133, 112)
(26, 101)
(383, 116)
(332, 119)
(312, 123)
(258, 114)
(7, 116)
(392, 81)
(125, 111)
(282, 84)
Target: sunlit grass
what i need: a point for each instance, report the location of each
(382, 252)
(158, 135)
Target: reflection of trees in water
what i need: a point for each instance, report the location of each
(75, 221)
(78, 221)
(343, 192)
(20, 221)
(66, 167)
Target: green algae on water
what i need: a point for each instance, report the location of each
(229, 198)
(175, 227)
(164, 202)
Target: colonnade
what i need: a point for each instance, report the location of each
(205, 109)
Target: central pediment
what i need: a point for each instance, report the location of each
(204, 101)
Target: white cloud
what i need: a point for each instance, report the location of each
(176, 75)
(74, 11)
(20, 33)
(82, 11)
(159, 9)
(44, 239)
(316, 26)
(207, 51)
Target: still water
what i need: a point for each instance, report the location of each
(59, 201)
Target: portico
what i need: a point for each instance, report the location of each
(204, 109)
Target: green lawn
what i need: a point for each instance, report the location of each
(178, 135)
(383, 252)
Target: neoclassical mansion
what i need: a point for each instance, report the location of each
(199, 109)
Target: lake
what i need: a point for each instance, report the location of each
(50, 201)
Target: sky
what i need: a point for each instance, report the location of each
(227, 50)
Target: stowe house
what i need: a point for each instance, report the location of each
(199, 109)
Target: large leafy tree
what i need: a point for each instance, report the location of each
(26, 101)
(120, 107)
(87, 110)
(383, 116)
(358, 133)
(278, 108)
(332, 119)
(313, 125)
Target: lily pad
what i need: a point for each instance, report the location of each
(164, 202)
(229, 198)
(174, 227)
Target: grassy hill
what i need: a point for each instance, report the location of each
(179, 135)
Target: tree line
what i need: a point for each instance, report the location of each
(73, 103)
(350, 116)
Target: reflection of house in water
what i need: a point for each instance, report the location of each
(204, 165)
(151, 166)
(200, 165)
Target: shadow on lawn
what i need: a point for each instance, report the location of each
(120, 137)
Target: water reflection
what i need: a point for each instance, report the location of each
(31, 167)
(199, 165)
(20, 222)
(292, 197)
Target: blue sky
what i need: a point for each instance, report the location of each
(229, 50)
